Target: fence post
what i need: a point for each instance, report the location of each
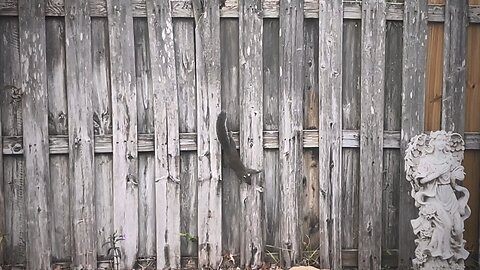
(330, 132)
(371, 134)
(454, 66)
(167, 152)
(35, 125)
(124, 115)
(413, 114)
(80, 133)
(251, 130)
(291, 128)
(207, 53)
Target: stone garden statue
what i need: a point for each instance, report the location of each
(433, 165)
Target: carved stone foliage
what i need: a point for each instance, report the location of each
(433, 165)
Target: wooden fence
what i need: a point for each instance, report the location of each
(107, 126)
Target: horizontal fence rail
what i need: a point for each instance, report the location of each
(183, 9)
(12, 145)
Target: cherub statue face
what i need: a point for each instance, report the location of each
(440, 142)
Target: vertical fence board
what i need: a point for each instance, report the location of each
(3, 217)
(3, 233)
(251, 130)
(454, 62)
(371, 134)
(392, 122)
(125, 168)
(330, 132)
(80, 130)
(351, 121)
(434, 83)
(35, 123)
(146, 161)
(413, 100)
(270, 122)
(13, 166)
(58, 125)
(167, 187)
(15, 211)
(183, 29)
(231, 208)
(102, 124)
(291, 127)
(309, 191)
(472, 124)
(207, 50)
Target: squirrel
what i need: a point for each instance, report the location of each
(230, 150)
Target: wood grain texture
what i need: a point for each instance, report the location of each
(207, 52)
(309, 209)
(413, 113)
(103, 144)
(231, 208)
(330, 132)
(454, 62)
(60, 217)
(146, 161)
(350, 121)
(80, 130)
(124, 114)
(2, 197)
(183, 29)
(371, 132)
(13, 184)
(251, 130)
(472, 124)
(184, 9)
(35, 123)
(270, 122)
(392, 122)
(290, 128)
(102, 124)
(434, 77)
(167, 154)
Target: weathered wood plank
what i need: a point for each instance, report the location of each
(102, 124)
(454, 62)
(35, 123)
(183, 8)
(3, 217)
(270, 122)
(310, 191)
(103, 202)
(60, 215)
(231, 207)
(60, 224)
(167, 152)
(371, 132)
(392, 122)
(103, 144)
(80, 131)
(183, 29)
(124, 112)
(146, 161)
(290, 128)
(13, 185)
(330, 132)
(207, 52)
(351, 121)
(413, 106)
(251, 131)
(472, 124)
